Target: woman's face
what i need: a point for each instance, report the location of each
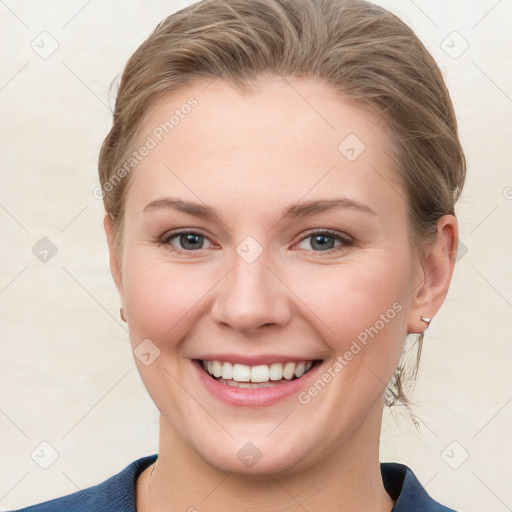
(258, 281)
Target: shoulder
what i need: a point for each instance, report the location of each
(117, 493)
(402, 485)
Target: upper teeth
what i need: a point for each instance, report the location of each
(260, 373)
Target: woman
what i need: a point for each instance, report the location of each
(279, 186)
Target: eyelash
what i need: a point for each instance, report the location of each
(347, 242)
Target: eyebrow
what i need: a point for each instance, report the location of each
(293, 211)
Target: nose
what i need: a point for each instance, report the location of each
(250, 296)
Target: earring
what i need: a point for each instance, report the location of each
(426, 319)
(121, 314)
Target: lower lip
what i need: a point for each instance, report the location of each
(255, 397)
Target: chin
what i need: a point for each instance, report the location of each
(257, 468)
(255, 458)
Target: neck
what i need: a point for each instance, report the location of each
(348, 480)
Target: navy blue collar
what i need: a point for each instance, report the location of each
(402, 485)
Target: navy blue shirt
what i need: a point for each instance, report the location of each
(117, 494)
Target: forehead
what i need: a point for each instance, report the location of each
(310, 118)
(289, 138)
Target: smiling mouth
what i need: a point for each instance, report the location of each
(259, 376)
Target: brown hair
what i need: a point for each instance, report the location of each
(361, 50)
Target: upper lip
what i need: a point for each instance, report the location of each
(254, 360)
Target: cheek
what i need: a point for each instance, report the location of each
(364, 312)
(353, 298)
(162, 298)
(161, 303)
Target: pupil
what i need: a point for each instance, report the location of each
(322, 244)
(189, 239)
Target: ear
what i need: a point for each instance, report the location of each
(115, 266)
(435, 275)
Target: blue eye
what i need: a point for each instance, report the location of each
(324, 241)
(189, 240)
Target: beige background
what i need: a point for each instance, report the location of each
(67, 375)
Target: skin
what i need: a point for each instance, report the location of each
(249, 157)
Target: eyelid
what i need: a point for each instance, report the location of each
(335, 234)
